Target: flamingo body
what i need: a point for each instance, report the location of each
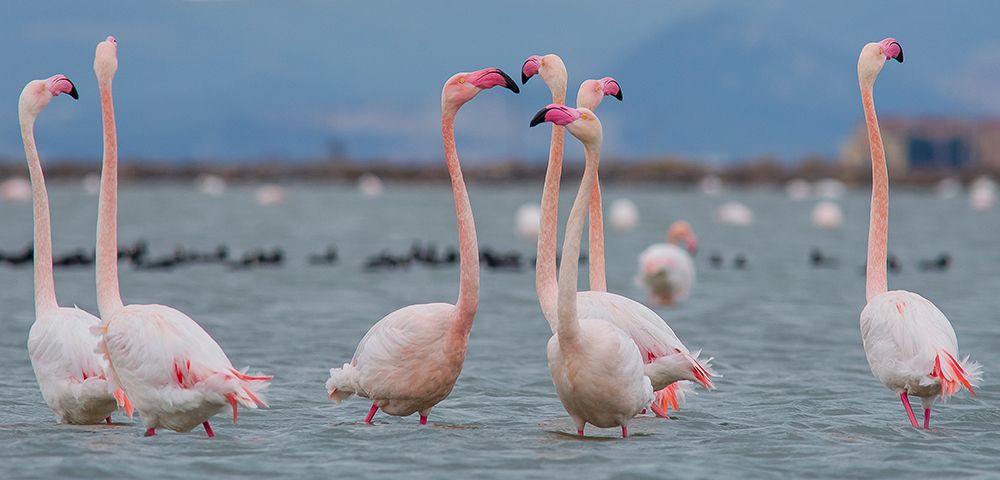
(911, 347)
(602, 382)
(176, 375)
(667, 272)
(405, 363)
(70, 374)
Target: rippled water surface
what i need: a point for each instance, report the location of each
(797, 398)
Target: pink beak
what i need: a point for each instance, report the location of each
(60, 84)
(492, 77)
(557, 114)
(530, 68)
(692, 245)
(611, 87)
(892, 49)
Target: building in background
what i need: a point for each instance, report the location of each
(931, 143)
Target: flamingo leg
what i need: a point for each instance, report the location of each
(371, 413)
(208, 429)
(927, 418)
(108, 420)
(909, 410)
(150, 432)
(423, 419)
(579, 432)
(624, 431)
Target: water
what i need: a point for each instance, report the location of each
(797, 398)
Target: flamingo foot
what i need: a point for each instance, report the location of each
(624, 431)
(150, 432)
(423, 419)
(579, 432)
(208, 429)
(927, 419)
(108, 420)
(909, 410)
(371, 413)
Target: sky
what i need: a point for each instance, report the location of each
(237, 80)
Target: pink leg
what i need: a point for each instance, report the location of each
(927, 418)
(423, 420)
(909, 410)
(579, 432)
(624, 431)
(371, 413)
(108, 420)
(208, 429)
(150, 432)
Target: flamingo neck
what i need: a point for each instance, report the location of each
(598, 277)
(468, 248)
(545, 263)
(108, 294)
(878, 228)
(45, 290)
(569, 326)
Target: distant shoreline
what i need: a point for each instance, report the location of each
(763, 171)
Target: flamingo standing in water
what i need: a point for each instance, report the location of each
(666, 270)
(910, 345)
(71, 375)
(173, 371)
(409, 361)
(597, 370)
(650, 333)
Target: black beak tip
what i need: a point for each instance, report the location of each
(539, 117)
(899, 58)
(524, 78)
(508, 82)
(619, 95)
(72, 92)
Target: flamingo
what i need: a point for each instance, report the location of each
(910, 345)
(173, 371)
(71, 375)
(650, 333)
(667, 270)
(827, 215)
(734, 213)
(590, 95)
(597, 370)
(409, 361)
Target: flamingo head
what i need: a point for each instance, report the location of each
(681, 231)
(106, 59)
(582, 123)
(462, 87)
(593, 91)
(38, 93)
(874, 55)
(550, 67)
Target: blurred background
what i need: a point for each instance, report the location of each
(748, 89)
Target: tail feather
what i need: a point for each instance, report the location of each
(124, 402)
(703, 371)
(670, 397)
(343, 383)
(954, 374)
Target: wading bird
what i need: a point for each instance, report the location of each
(910, 345)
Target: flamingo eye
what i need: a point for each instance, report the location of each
(461, 80)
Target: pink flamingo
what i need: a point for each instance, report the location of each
(910, 345)
(71, 375)
(666, 270)
(177, 376)
(596, 368)
(650, 333)
(409, 361)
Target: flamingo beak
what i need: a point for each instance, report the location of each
(492, 77)
(612, 88)
(539, 117)
(530, 68)
(72, 91)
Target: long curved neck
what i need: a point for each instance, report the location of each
(878, 228)
(108, 295)
(545, 263)
(468, 248)
(569, 325)
(45, 290)
(598, 277)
